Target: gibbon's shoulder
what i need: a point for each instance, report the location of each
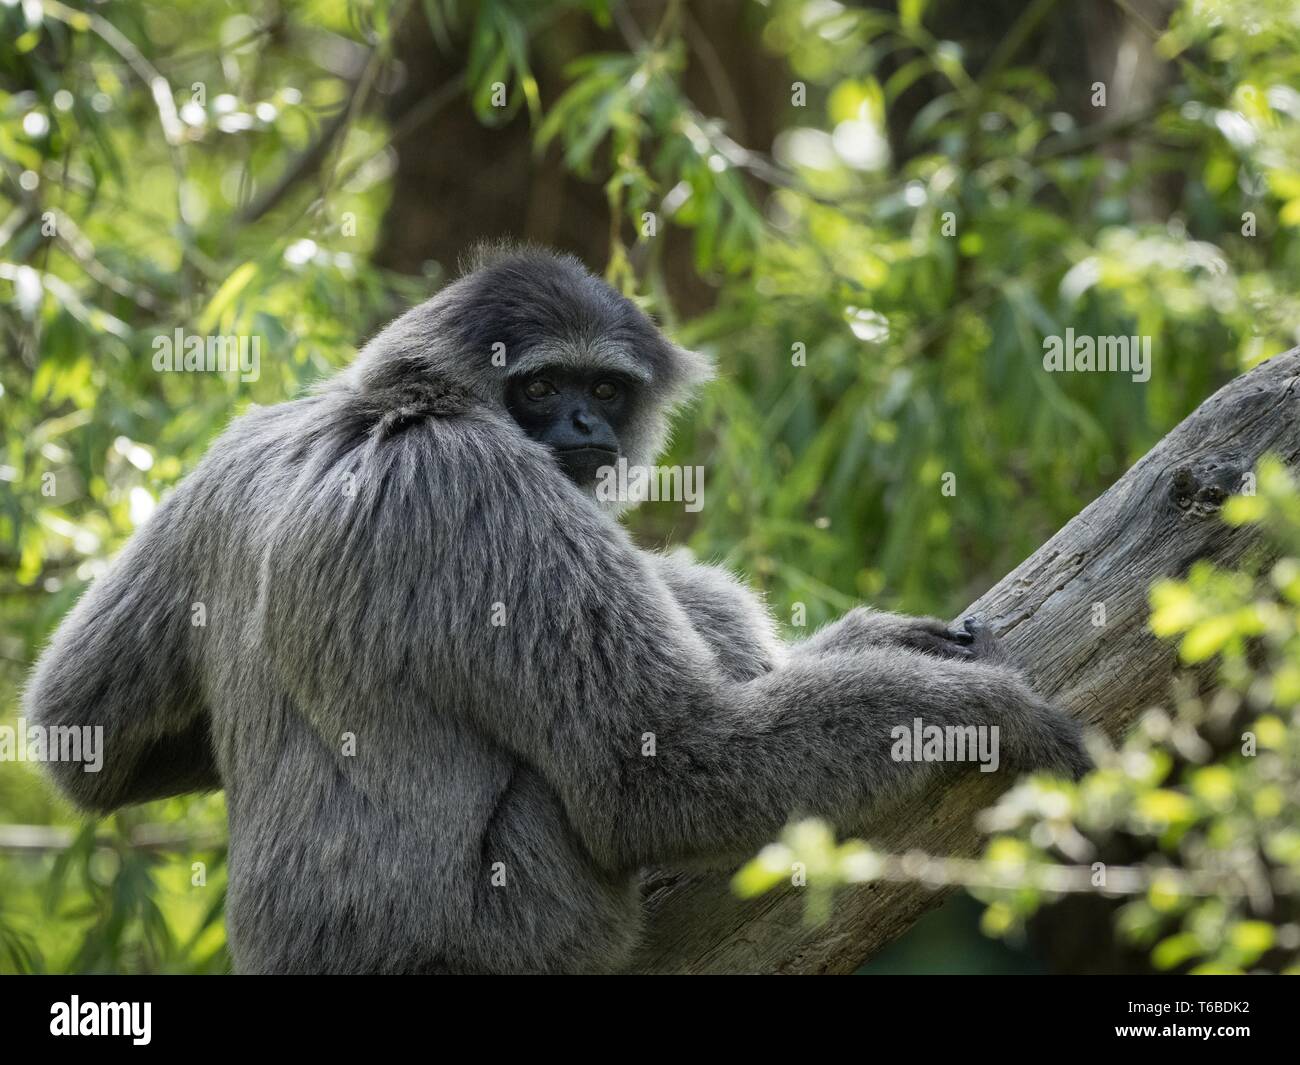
(340, 426)
(422, 444)
(423, 519)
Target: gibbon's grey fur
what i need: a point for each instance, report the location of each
(393, 564)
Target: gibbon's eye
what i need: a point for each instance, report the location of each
(605, 390)
(538, 388)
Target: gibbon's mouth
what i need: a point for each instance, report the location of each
(583, 464)
(588, 450)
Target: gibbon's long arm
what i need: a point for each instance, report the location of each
(122, 660)
(465, 569)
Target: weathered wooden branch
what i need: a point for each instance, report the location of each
(1155, 521)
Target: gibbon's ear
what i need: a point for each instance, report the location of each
(678, 375)
(690, 371)
(118, 671)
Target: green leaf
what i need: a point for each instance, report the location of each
(213, 315)
(1176, 950)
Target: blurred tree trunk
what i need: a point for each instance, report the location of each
(1076, 44)
(458, 181)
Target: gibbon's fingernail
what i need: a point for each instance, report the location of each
(962, 636)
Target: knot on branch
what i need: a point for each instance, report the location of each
(1200, 486)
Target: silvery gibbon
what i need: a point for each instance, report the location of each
(431, 656)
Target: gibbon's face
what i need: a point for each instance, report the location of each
(579, 414)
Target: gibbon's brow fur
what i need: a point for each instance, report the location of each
(453, 708)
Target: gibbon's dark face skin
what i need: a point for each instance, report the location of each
(578, 415)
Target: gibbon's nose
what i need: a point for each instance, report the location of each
(584, 428)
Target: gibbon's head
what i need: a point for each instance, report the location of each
(578, 366)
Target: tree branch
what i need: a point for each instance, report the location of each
(41, 839)
(1154, 522)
